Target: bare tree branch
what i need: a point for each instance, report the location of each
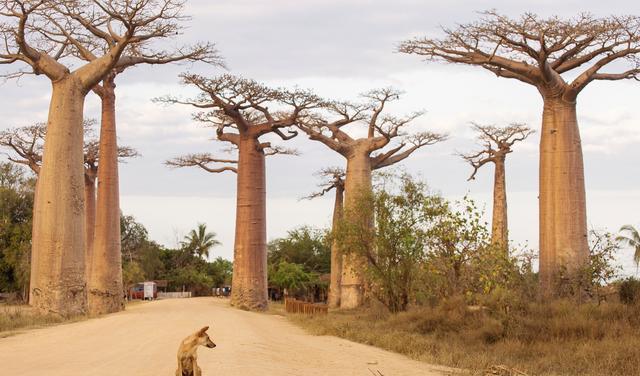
(239, 107)
(539, 51)
(205, 162)
(497, 143)
(27, 144)
(332, 178)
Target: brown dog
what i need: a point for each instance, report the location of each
(187, 353)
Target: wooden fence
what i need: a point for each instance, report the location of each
(298, 306)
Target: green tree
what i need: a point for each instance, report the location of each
(198, 242)
(16, 208)
(291, 276)
(630, 237)
(394, 246)
(133, 237)
(306, 246)
(456, 238)
(132, 273)
(220, 271)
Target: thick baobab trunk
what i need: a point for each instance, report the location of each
(105, 285)
(336, 255)
(59, 282)
(499, 225)
(89, 219)
(357, 186)
(563, 214)
(249, 287)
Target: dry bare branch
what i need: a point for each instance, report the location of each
(332, 178)
(204, 161)
(538, 50)
(496, 142)
(237, 106)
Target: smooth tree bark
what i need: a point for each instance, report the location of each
(90, 175)
(239, 110)
(559, 57)
(105, 285)
(363, 155)
(96, 267)
(26, 145)
(105, 269)
(497, 142)
(31, 35)
(333, 179)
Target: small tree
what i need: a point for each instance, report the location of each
(304, 246)
(291, 277)
(220, 271)
(497, 143)
(394, 246)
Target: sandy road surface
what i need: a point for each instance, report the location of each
(144, 339)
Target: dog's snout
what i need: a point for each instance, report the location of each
(211, 345)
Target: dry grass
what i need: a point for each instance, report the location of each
(276, 308)
(19, 317)
(16, 318)
(553, 339)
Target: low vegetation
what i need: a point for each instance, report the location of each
(537, 339)
(442, 292)
(21, 317)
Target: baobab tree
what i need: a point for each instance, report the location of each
(95, 256)
(239, 109)
(497, 143)
(333, 179)
(559, 57)
(30, 36)
(26, 145)
(363, 155)
(105, 284)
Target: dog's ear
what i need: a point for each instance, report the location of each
(203, 331)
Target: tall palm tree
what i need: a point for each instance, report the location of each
(630, 239)
(199, 241)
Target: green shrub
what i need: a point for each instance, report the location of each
(629, 291)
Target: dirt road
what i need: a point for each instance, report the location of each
(144, 339)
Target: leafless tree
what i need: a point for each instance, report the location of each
(559, 57)
(242, 111)
(106, 269)
(364, 154)
(496, 143)
(30, 32)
